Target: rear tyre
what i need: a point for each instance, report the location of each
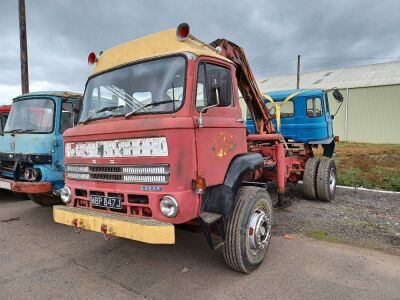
(310, 178)
(248, 230)
(45, 200)
(326, 180)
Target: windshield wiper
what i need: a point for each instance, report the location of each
(104, 109)
(130, 100)
(150, 104)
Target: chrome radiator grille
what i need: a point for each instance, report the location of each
(127, 173)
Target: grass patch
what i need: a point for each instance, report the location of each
(368, 165)
(390, 181)
(352, 176)
(320, 235)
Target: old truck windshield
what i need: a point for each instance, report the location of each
(31, 116)
(155, 86)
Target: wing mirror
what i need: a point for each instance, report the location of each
(337, 95)
(76, 108)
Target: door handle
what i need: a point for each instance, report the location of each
(240, 120)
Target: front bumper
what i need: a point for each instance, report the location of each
(26, 187)
(144, 230)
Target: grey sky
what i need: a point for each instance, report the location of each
(328, 34)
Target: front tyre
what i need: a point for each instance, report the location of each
(45, 199)
(248, 230)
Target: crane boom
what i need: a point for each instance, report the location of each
(247, 85)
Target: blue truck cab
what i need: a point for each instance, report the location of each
(305, 118)
(31, 147)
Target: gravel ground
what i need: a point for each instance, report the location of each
(362, 218)
(40, 259)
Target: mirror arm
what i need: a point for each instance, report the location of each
(200, 120)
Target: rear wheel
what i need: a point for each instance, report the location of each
(45, 199)
(326, 180)
(248, 230)
(310, 178)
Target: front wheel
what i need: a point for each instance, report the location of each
(248, 230)
(45, 200)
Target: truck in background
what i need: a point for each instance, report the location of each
(304, 115)
(31, 147)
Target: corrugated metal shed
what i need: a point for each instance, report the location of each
(371, 105)
(362, 76)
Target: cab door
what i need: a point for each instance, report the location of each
(328, 116)
(222, 134)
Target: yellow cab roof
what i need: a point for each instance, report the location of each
(153, 45)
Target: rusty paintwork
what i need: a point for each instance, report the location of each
(193, 152)
(26, 187)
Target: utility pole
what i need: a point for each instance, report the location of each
(298, 71)
(23, 47)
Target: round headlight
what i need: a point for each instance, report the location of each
(169, 206)
(27, 174)
(65, 194)
(36, 175)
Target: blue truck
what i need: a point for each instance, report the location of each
(305, 116)
(31, 147)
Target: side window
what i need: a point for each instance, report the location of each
(314, 107)
(287, 110)
(212, 78)
(201, 95)
(66, 117)
(271, 108)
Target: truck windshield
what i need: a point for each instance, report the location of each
(155, 86)
(31, 116)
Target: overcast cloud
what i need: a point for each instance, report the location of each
(328, 34)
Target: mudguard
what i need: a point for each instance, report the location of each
(221, 198)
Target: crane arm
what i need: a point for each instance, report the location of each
(247, 85)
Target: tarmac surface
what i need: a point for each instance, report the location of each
(40, 259)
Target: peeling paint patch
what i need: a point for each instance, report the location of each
(224, 145)
(118, 148)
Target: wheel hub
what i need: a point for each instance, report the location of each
(332, 181)
(259, 230)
